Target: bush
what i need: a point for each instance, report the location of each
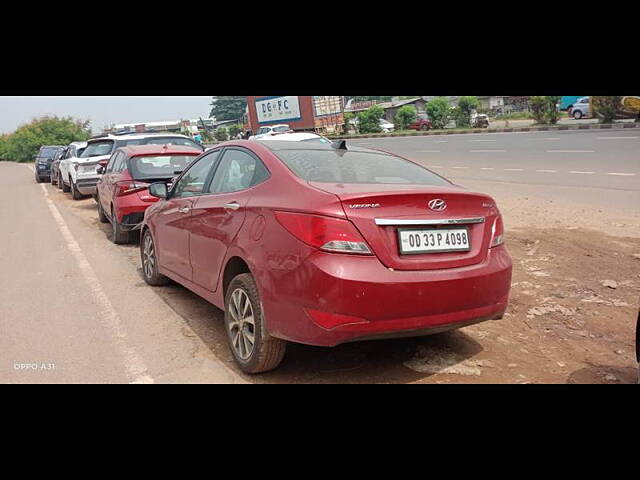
(466, 106)
(234, 130)
(552, 114)
(537, 106)
(348, 118)
(406, 116)
(25, 142)
(606, 108)
(221, 134)
(439, 112)
(369, 120)
(544, 110)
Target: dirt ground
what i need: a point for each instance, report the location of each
(571, 317)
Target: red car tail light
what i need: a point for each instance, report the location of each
(329, 320)
(326, 233)
(130, 186)
(497, 232)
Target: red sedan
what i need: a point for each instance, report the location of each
(122, 191)
(323, 244)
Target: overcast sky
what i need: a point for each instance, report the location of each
(102, 111)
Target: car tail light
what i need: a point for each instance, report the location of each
(497, 232)
(329, 320)
(326, 233)
(130, 186)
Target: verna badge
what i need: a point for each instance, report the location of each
(437, 205)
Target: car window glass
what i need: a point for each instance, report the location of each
(236, 172)
(159, 166)
(192, 183)
(173, 141)
(112, 162)
(98, 149)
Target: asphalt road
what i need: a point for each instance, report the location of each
(590, 166)
(73, 309)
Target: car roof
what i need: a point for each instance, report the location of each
(276, 145)
(167, 149)
(137, 136)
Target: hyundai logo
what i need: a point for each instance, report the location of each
(437, 205)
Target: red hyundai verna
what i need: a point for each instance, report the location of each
(324, 244)
(122, 191)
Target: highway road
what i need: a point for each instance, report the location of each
(592, 166)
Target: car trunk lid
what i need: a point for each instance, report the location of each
(380, 211)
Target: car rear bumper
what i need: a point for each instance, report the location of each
(332, 299)
(87, 185)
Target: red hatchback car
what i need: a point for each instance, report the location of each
(122, 191)
(323, 244)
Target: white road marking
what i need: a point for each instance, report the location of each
(135, 367)
(547, 171)
(622, 174)
(551, 138)
(616, 138)
(585, 173)
(487, 168)
(459, 167)
(487, 151)
(441, 141)
(570, 151)
(435, 166)
(513, 169)
(484, 140)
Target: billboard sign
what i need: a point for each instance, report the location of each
(327, 105)
(277, 109)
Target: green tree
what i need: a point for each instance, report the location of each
(606, 108)
(439, 112)
(24, 143)
(369, 120)
(221, 134)
(228, 108)
(348, 118)
(406, 116)
(3, 146)
(466, 106)
(537, 107)
(552, 114)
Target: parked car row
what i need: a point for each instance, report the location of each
(301, 239)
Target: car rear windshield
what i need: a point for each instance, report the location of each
(282, 128)
(49, 152)
(335, 166)
(159, 166)
(98, 149)
(173, 141)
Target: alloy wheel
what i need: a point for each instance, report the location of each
(242, 326)
(148, 256)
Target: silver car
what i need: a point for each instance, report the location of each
(581, 108)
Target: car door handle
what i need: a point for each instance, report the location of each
(231, 206)
(184, 210)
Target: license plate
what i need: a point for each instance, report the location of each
(433, 240)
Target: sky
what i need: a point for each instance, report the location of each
(102, 111)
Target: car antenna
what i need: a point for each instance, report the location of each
(339, 145)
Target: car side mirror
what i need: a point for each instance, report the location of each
(100, 170)
(158, 190)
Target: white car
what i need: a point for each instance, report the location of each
(385, 125)
(581, 108)
(270, 130)
(295, 137)
(71, 158)
(81, 176)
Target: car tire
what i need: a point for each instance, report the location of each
(101, 216)
(74, 191)
(52, 179)
(577, 114)
(65, 187)
(149, 261)
(266, 352)
(118, 235)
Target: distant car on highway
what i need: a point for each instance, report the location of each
(386, 126)
(83, 178)
(122, 190)
(270, 130)
(43, 161)
(566, 103)
(422, 123)
(325, 244)
(581, 108)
